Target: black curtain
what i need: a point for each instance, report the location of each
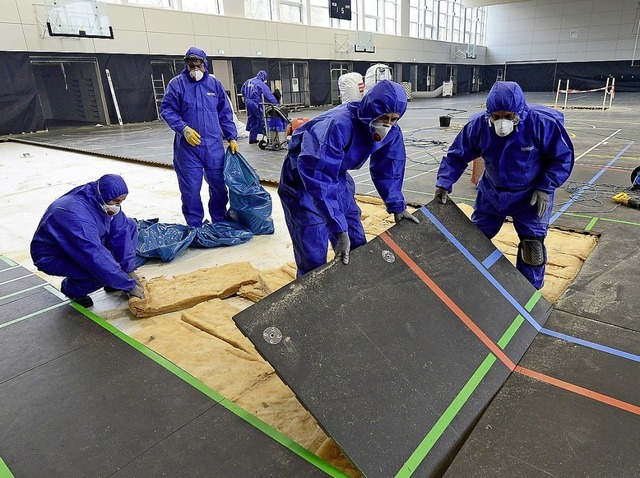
(20, 108)
(590, 75)
(131, 77)
(533, 76)
(319, 82)
(464, 79)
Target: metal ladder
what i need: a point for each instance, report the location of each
(158, 92)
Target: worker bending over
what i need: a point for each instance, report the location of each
(316, 190)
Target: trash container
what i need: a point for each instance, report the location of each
(445, 121)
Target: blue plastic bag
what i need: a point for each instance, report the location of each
(249, 202)
(163, 241)
(223, 233)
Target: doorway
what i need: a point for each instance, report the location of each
(70, 91)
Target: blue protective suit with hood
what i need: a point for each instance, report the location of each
(76, 239)
(316, 190)
(252, 91)
(536, 155)
(203, 106)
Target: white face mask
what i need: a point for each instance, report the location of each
(380, 130)
(196, 74)
(110, 209)
(503, 127)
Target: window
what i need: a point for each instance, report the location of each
(203, 6)
(319, 13)
(391, 17)
(291, 11)
(421, 19)
(151, 3)
(258, 9)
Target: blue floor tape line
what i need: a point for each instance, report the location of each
(592, 345)
(569, 203)
(492, 259)
(480, 268)
(509, 297)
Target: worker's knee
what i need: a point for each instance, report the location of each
(533, 251)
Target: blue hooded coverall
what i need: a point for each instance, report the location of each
(78, 240)
(203, 106)
(252, 91)
(317, 192)
(536, 155)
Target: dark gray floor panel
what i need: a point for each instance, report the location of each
(11, 273)
(25, 303)
(536, 430)
(380, 358)
(219, 444)
(588, 424)
(25, 282)
(91, 411)
(604, 289)
(32, 342)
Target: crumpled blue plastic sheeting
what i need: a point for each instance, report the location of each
(224, 233)
(162, 241)
(157, 240)
(249, 202)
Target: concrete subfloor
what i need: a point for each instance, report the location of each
(606, 145)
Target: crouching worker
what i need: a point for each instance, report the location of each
(86, 238)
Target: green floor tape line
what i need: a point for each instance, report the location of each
(606, 219)
(591, 223)
(8, 261)
(4, 470)
(452, 410)
(202, 387)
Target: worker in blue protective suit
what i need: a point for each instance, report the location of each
(195, 106)
(316, 190)
(527, 154)
(253, 91)
(86, 238)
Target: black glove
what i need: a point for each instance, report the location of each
(135, 277)
(442, 194)
(542, 200)
(399, 216)
(137, 291)
(342, 248)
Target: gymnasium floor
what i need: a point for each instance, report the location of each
(579, 416)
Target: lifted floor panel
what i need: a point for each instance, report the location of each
(395, 354)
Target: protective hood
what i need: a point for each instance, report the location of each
(351, 86)
(111, 186)
(385, 97)
(507, 96)
(199, 53)
(262, 75)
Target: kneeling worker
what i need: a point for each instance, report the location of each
(86, 238)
